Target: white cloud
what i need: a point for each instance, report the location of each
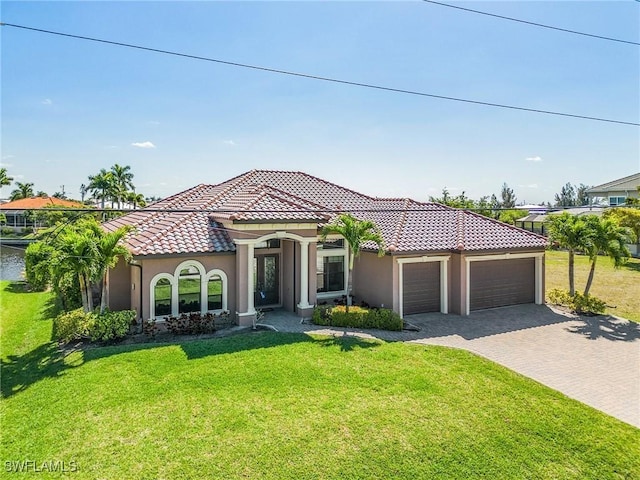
(111, 147)
(230, 142)
(146, 144)
(537, 158)
(531, 185)
(47, 101)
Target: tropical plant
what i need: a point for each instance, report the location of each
(136, 199)
(356, 233)
(606, 237)
(23, 190)
(626, 217)
(4, 178)
(110, 249)
(122, 181)
(569, 232)
(101, 185)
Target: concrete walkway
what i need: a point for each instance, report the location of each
(595, 360)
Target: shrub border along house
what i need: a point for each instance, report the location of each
(357, 317)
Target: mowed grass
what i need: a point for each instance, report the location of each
(278, 406)
(619, 288)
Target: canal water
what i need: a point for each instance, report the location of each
(11, 263)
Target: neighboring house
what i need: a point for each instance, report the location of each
(15, 212)
(252, 242)
(535, 221)
(616, 192)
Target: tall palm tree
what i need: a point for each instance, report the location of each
(136, 199)
(4, 178)
(101, 185)
(122, 182)
(570, 232)
(110, 249)
(606, 236)
(24, 190)
(356, 233)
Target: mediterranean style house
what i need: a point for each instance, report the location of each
(253, 242)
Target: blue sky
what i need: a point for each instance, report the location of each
(71, 107)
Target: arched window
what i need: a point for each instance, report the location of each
(189, 290)
(214, 292)
(162, 297)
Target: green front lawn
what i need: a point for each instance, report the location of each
(272, 405)
(619, 288)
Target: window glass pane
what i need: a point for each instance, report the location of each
(214, 293)
(162, 297)
(189, 290)
(330, 273)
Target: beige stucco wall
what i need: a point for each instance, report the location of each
(373, 279)
(119, 287)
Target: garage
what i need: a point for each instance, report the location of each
(420, 288)
(497, 283)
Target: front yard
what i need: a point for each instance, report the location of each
(619, 288)
(273, 405)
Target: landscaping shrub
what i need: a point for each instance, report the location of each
(110, 325)
(72, 325)
(191, 323)
(78, 324)
(357, 317)
(579, 303)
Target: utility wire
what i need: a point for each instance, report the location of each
(321, 78)
(533, 23)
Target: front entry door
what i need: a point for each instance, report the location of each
(266, 272)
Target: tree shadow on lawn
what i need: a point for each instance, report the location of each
(48, 360)
(22, 371)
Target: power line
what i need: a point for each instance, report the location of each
(321, 78)
(534, 23)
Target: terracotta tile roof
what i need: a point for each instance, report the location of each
(272, 196)
(33, 203)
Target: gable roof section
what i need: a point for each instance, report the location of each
(190, 221)
(629, 183)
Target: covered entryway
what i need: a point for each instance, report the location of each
(421, 288)
(498, 283)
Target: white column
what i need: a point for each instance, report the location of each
(304, 274)
(250, 286)
(539, 291)
(444, 286)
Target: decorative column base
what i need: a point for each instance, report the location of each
(304, 310)
(246, 319)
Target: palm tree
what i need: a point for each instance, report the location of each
(122, 182)
(24, 190)
(101, 185)
(356, 233)
(78, 253)
(4, 178)
(570, 232)
(606, 237)
(136, 199)
(110, 249)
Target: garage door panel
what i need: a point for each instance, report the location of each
(421, 288)
(497, 283)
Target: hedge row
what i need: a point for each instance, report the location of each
(80, 325)
(357, 317)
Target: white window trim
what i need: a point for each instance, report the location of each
(204, 292)
(334, 252)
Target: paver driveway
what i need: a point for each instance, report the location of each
(595, 360)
